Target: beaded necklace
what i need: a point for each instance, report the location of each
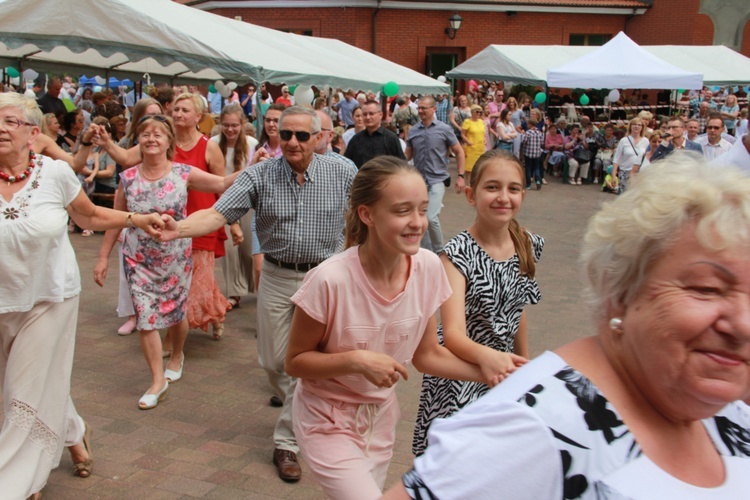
(12, 179)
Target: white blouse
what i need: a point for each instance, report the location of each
(38, 263)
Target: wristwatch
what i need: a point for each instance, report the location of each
(129, 220)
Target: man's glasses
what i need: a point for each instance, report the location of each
(301, 135)
(713, 127)
(423, 108)
(12, 123)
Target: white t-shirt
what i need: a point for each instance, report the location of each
(38, 263)
(252, 142)
(547, 430)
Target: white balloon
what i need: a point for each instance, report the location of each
(225, 92)
(30, 74)
(220, 87)
(614, 95)
(442, 79)
(100, 80)
(97, 88)
(231, 85)
(303, 95)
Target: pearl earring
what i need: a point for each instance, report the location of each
(615, 324)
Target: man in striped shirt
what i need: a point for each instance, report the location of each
(300, 200)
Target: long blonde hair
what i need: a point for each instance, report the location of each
(241, 151)
(519, 235)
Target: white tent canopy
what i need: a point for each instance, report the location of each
(622, 63)
(528, 64)
(180, 43)
(719, 65)
(525, 64)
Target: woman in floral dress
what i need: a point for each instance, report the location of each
(158, 274)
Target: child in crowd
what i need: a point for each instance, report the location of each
(363, 315)
(491, 268)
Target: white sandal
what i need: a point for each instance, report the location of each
(172, 375)
(149, 401)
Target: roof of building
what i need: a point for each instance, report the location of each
(506, 4)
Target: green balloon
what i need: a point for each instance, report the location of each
(12, 72)
(212, 89)
(390, 89)
(681, 91)
(540, 97)
(292, 88)
(584, 100)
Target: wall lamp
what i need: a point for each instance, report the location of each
(455, 20)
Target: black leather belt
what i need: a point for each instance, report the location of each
(301, 268)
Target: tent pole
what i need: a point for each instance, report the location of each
(258, 110)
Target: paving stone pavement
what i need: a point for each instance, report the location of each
(211, 436)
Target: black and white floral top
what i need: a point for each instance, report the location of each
(547, 432)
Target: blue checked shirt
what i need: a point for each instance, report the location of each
(443, 111)
(533, 140)
(296, 223)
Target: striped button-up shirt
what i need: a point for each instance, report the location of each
(296, 223)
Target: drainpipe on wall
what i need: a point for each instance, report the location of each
(627, 20)
(375, 27)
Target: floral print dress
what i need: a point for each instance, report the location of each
(158, 273)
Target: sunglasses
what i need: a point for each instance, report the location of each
(301, 135)
(713, 127)
(158, 118)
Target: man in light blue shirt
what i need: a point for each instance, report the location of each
(428, 144)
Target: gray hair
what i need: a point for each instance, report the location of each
(23, 104)
(301, 110)
(628, 235)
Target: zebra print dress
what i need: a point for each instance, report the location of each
(496, 294)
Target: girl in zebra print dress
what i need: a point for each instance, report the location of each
(362, 316)
(491, 268)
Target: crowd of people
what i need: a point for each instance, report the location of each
(332, 216)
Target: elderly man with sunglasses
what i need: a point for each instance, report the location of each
(300, 199)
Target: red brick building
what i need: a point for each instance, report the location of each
(413, 32)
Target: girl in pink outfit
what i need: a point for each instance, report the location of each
(362, 317)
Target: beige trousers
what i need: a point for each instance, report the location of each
(275, 310)
(36, 360)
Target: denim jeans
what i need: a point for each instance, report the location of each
(433, 238)
(533, 169)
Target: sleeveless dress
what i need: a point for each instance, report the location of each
(496, 294)
(158, 274)
(206, 304)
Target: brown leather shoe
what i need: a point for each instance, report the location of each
(286, 462)
(275, 401)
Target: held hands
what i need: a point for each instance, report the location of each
(151, 223)
(170, 231)
(380, 369)
(93, 133)
(260, 155)
(100, 137)
(496, 366)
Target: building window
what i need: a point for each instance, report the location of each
(589, 39)
(297, 31)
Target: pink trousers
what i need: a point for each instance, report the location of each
(347, 446)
